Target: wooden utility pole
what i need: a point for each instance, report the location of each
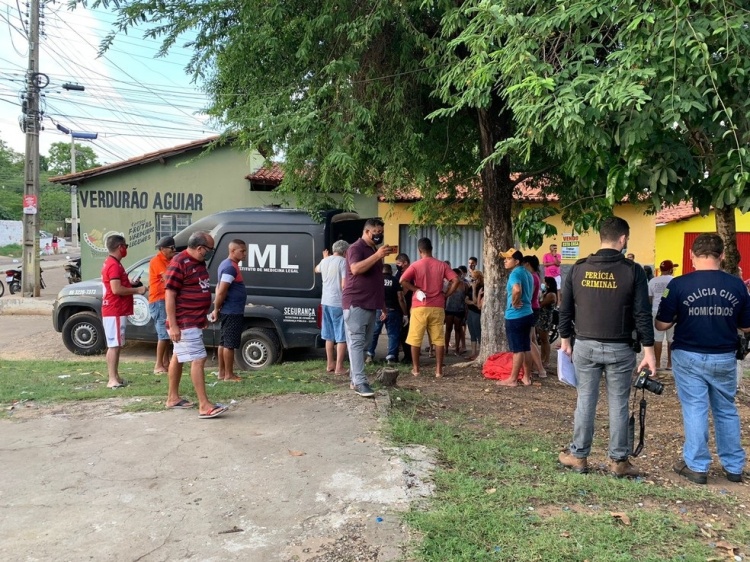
(30, 266)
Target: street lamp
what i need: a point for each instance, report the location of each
(73, 187)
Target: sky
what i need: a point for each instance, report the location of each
(135, 102)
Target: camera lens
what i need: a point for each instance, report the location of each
(654, 386)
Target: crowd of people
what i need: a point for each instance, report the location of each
(606, 298)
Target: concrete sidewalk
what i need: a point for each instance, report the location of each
(297, 477)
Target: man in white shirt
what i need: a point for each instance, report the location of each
(656, 288)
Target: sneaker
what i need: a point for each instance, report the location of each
(576, 464)
(368, 359)
(733, 476)
(390, 361)
(622, 469)
(364, 390)
(695, 477)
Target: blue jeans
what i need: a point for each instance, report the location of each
(705, 380)
(393, 327)
(616, 361)
(359, 325)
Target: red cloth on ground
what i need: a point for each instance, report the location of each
(499, 366)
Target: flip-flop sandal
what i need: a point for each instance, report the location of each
(123, 384)
(235, 379)
(181, 405)
(215, 413)
(343, 373)
(160, 372)
(415, 374)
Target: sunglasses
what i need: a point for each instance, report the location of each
(124, 246)
(210, 249)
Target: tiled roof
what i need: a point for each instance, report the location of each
(522, 192)
(268, 176)
(675, 213)
(136, 161)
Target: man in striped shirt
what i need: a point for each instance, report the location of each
(188, 298)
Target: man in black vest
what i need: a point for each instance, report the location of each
(606, 298)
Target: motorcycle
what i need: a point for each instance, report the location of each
(73, 270)
(13, 279)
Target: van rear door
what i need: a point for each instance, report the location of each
(340, 225)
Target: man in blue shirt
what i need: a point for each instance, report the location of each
(519, 317)
(229, 307)
(707, 302)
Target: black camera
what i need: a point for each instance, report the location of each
(742, 346)
(643, 380)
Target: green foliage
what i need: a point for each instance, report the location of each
(58, 161)
(51, 381)
(11, 250)
(651, 95)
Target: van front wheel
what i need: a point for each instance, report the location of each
(259, 348)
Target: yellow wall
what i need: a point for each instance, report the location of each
(671, 236)
(642, 235)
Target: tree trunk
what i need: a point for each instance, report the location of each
(497, 204)
(726, 226)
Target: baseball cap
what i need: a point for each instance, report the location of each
(667, 265)
(512, 253)
(165, 242)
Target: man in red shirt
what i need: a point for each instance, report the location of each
(425, 278)
(117, 305)
(188, 298)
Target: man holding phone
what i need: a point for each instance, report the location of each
(117, 305)
(362, 296)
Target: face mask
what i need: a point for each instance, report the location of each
(208, 255)
(543, 287)
(123, 252)
(377, 239)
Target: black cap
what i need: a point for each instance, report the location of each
(165, 242)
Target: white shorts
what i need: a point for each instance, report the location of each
(114, 330)
(190, 347)
(659, 335)
(558, 279)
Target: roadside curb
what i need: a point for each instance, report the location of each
(25, 306)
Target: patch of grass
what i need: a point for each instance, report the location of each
(501, 495)
(51, 381)
(11, 251)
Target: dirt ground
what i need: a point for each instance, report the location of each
(547, 408)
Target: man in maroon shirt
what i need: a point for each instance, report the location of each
(188, 298)
(117, 305)
(362, 296)
(426, 277)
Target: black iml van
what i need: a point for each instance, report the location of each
(283, 290)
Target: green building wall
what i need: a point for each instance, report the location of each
(130, 201)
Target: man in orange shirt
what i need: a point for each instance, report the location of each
(157, 274)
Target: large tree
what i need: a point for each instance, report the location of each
(59, 158)
(343, 90)
(652, 96)
(11, 183)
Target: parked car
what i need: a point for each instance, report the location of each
(283, 290)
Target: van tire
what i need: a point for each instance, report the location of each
(83, 334)
(259, 348)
